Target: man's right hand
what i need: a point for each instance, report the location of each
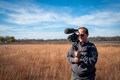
(76, 53)
(76, 59)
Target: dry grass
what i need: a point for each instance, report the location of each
(48, 62)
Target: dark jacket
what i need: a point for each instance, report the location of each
(88, 56)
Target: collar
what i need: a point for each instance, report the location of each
(84, 43)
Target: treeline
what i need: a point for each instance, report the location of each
(93, 39)
(42, 41)
(11, 39)
(7, 39)
(116, 38)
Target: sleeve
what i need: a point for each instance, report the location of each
(91, 59)
(70, 56)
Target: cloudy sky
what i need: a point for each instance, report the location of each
(47, 19)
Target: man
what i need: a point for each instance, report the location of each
(84, 59)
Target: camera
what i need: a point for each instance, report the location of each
(73, 37)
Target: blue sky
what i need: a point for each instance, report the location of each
(47, 19)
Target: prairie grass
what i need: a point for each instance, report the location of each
(48, 62)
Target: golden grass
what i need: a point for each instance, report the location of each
(48, 62)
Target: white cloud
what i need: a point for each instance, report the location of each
(39, 35)
(5, 28)
(97, 19)
(104, 32)
(26, 17)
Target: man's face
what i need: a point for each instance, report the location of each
(82, 35)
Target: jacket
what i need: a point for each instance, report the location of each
(88, 56)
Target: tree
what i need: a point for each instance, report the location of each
(10, 39)
(1, 39)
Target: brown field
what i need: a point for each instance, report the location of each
(48, 62)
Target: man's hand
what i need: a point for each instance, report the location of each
(76, 59)
(76, 53)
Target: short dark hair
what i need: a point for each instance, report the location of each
(86, 30)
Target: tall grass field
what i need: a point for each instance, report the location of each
(49, 62)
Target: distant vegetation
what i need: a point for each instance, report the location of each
(11, 39)
(7, 39)
(116, 38)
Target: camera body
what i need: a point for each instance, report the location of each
(73, 37)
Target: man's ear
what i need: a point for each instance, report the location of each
(87, 35)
